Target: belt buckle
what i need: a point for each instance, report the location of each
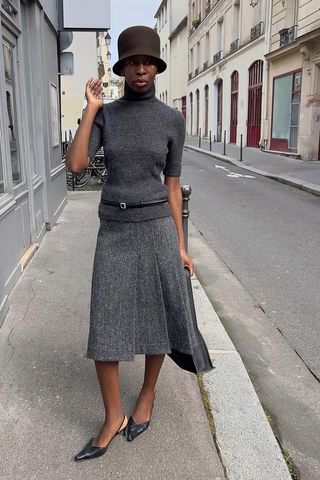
(123, 205)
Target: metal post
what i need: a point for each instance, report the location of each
(186, 192)
(210, 141)
(224, 141)
(214, 138)
(73, 175)
(241, 147)
(199, 137)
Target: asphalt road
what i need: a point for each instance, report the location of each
(269, 236)
(259, 263)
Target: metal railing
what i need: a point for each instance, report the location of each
(257, 31)
(234, 46)
(288, 35)
(217, 57)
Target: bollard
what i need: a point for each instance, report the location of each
(73, 175)
(224, 141)
(186, 192)
(210, 141)
(214, 139)
(241, 147)
(199, 137)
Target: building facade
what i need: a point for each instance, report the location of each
(294, 78)
(171, 85)
(84, 46)
(32, 174)
(226, 91)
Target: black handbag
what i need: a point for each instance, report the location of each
(199, 361)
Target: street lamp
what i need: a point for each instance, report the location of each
(109, 55)
(107, 38)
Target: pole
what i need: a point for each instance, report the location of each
(224, 141)
(186, 192)
(241, 147)
(199, 137)
(210, 142)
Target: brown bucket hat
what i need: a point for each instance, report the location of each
(139, 40)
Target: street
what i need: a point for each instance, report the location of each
(267, 235)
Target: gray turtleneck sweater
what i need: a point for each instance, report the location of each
(142, 137)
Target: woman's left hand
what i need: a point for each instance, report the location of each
(187, 262)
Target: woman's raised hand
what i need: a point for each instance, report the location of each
(93, 93)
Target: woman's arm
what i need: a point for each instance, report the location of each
(77, 155)
(175, 202)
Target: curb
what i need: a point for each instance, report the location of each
(286, 179)
(244, 438)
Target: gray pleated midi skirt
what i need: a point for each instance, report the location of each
(139, 299)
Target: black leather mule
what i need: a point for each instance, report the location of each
(90, 451)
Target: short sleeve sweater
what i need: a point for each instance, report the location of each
(142, 138)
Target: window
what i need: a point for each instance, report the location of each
(236, 21)
(11, 111)
(286, 112)
(26, 41)
(191, 61)
(207, 53)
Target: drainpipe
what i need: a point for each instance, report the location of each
(267, 49)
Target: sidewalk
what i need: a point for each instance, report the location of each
(49, 398)
(291, 171)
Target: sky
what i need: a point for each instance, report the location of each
(126, 13)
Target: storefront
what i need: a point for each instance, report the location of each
(294, 80)
(32, 174)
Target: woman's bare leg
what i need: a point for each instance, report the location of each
(143, 408)
(108, 376)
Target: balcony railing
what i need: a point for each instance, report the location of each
(196, 71)
(257, 30)
(217, 57)
(234, 46)
(205, 65)
(190, 76)
(288, 35)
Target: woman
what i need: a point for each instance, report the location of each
(139, 300)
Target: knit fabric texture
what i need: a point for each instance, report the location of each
(142, 139)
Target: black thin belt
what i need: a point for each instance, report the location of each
(124, 205)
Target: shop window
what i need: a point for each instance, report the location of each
(286, 112)
(10, 114)
(281, 107)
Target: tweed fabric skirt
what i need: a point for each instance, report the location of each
(139, 299)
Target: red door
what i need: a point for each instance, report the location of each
(219, 112)
(254, 104)
(234, 107)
